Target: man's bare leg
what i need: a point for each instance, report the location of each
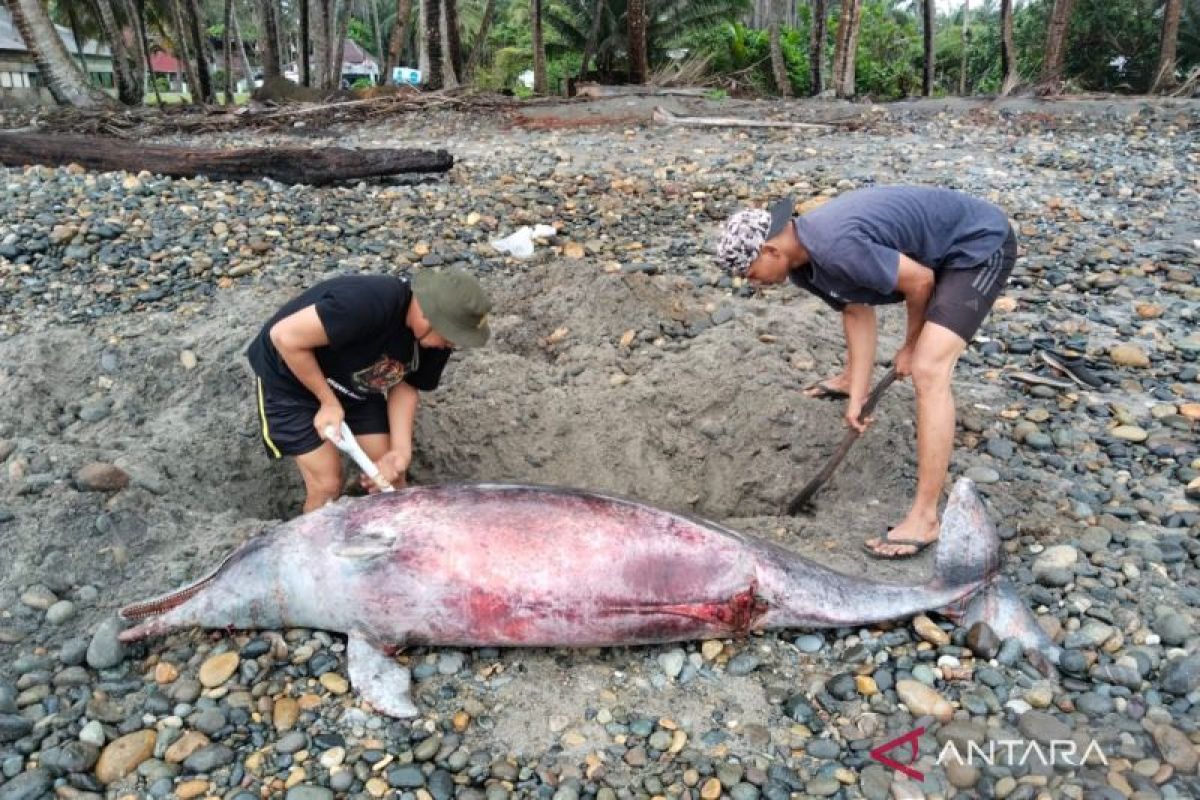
(934, 357)
(322, 473)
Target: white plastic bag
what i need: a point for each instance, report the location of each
(520, 244)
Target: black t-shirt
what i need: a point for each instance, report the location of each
(370, 347)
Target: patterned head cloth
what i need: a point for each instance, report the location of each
(746, 231)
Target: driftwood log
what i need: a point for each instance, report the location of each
(665, 117)
(803, 498)
(313, 166)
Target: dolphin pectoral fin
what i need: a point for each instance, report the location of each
(378, 679)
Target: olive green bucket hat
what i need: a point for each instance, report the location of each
(455, 305)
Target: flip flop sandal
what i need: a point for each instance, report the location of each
(824, 392)
(1073, 367)
(917, 545)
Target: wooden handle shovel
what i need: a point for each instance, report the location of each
(803, 499)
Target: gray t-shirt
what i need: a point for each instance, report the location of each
(855, 240)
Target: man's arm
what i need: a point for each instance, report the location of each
(296, 337)
(402, 402)
(859, 323)
(915, 281)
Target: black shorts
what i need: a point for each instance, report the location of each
(286, 422)
(963, 297)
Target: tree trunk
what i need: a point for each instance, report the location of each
(846, 49)
(431, 19)
(419, 42)
(1164, 76)
(339, 49)
(319, 23)
(227, 51)
(1056, 40)
(639, 67)
(454, 56)
(374, 9)
(237, 31)
(313, 166)
(183, 49)
(64, 80)
(397, 38)
(1008, 52)
(589, 46)
(200, 47)
(449, 76)
(966, 39)
(480, 44)
(305, 44)
(137, 11)
(539, 48)
(816, 48)
(127, 67)
(73, 21)
(783, 83)
(268, 40)
(927, 11)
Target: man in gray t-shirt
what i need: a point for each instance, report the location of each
(944, 254)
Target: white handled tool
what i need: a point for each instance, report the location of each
(349, 445)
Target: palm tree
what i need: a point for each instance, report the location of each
(1056, 41)
(604, 23)
(783, 83)
(431, 19)
(68, 86)
(816, 48)
(539, 47)
(1164, 76)
(1008, 52)
(398, 37)
(847, 48)
(639, 66)
(479, 47)
(927, 15)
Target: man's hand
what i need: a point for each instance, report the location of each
(329, 415)
(392, 468)
(903, 361)
(853, 410)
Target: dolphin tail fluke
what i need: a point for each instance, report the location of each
(999, 605)
(969, 553)
(968, 549)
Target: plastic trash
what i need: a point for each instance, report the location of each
(520, 244)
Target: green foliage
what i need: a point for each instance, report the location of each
(507, 64)
(734, 49)
(362, 83)
(362, 35)
(887, 64)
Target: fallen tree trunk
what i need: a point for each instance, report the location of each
(599, 90)
(313, 166)
(667, 118)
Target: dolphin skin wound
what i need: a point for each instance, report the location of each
(536, 566)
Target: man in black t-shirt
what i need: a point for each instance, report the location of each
(358, 348)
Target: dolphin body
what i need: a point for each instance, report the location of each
(513, 565)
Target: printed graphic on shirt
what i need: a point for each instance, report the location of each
(380, 376)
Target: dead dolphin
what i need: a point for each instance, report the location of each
(511, 565)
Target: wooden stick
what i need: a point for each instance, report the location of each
(802, 500)
(667, 118)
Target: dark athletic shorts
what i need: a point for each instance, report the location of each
(286, 422)
(963, 297)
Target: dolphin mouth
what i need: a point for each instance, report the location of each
(145, 609)
(157, 606)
